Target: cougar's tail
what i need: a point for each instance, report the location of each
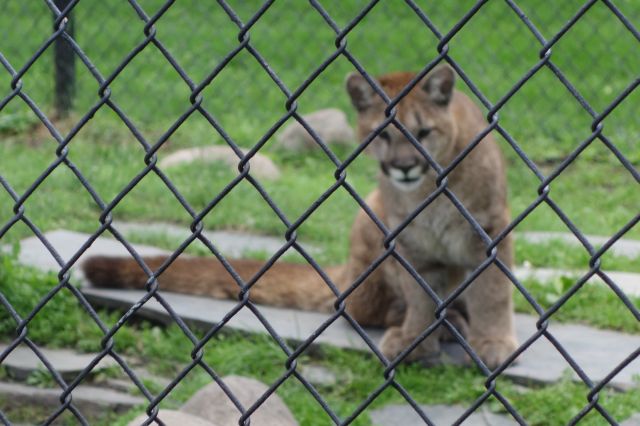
(283, 285)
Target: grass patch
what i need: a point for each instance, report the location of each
(560, 255)
(166, 350)
(594, 304)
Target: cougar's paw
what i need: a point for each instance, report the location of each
(459, 322)
(395, 314)
(494, 352)
(395, 341)
(392, 342)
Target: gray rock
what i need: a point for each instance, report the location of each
(330, 125)
(91, 401)
(622, 247)
(175, 418)
(212, 404)
(405, 415)
(261, 166)
(22, 361)
(318, 375)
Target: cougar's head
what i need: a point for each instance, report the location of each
(424, 112)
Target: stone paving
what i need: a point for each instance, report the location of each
(22, 361)
(596, 351)
(90, 400)
(402, 414)
(235, 244)
(398, 414)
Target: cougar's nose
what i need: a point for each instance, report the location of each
(404, 165)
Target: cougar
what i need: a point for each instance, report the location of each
(439, 244)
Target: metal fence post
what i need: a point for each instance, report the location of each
(64, 68)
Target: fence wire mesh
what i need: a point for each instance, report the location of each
(507, 52)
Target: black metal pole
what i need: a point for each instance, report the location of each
(64, 68)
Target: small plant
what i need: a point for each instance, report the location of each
(41, 378)
(17, 122)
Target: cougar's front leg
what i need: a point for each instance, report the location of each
(491, 317)
(419, 315)
(374, 302)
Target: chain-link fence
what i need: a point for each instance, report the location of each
(548, 77)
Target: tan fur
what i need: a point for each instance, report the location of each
(284, 285)
(439, 243)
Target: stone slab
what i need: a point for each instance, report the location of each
(233, 244)
(22, 361)
(67, 244)
(90, 400)
(622, 247)
(405, 415)
(202, 311)
(597, 351)
(632, 421)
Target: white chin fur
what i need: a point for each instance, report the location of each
(406, 186)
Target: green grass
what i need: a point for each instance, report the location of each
(542, 117)
(560, 255)
(63, 323)
(592, 304)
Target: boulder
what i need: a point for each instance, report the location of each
(261, 166)
(212, 404)
(174, 418)
(330, 125)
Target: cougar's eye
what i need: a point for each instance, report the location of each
(423, 133)
(384, 135)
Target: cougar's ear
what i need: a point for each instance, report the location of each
(438, 84)
(361, 93)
